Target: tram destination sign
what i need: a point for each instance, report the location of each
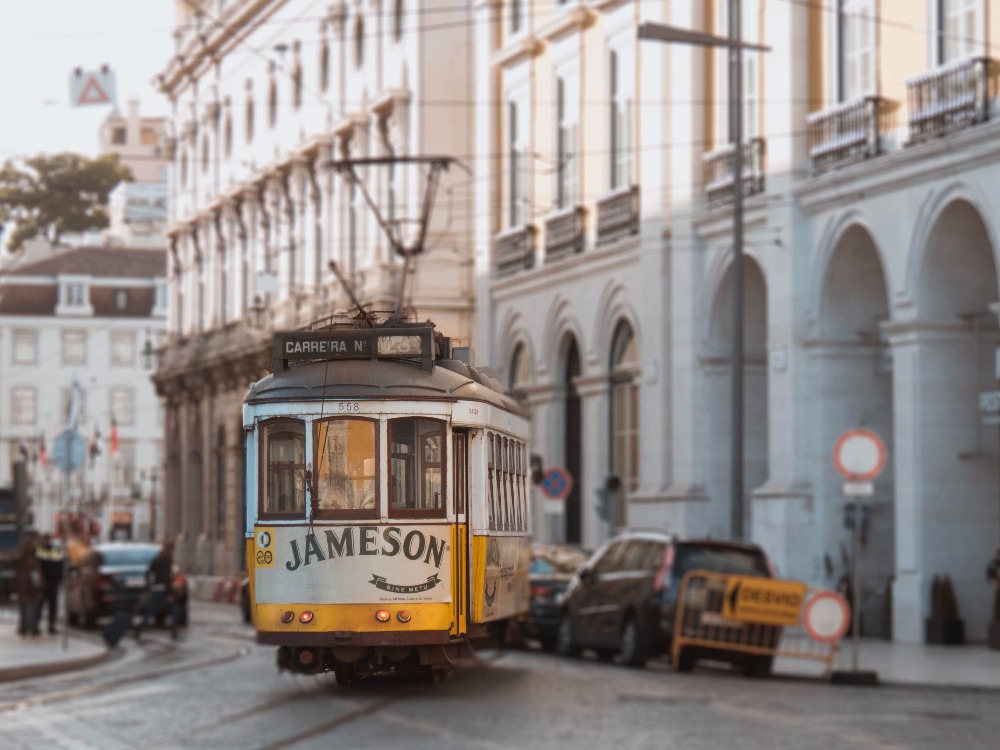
(365, 343)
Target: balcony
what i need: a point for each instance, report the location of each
(719, 171)
(844, 134)
(514, 249)
(564, 233)
(618, 214)
(948, 98)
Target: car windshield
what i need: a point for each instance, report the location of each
(719, 560)
(128, 556)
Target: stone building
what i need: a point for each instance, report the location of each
(264, 96)
(870, 291)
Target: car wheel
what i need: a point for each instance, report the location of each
(685, 661)
(632, 646)
(757, 667)
(565, 640)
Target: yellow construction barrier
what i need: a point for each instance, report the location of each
(762, 617)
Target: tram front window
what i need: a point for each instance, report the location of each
(345, 467)
(416, 466)
(283, 448)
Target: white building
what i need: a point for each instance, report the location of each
(84, 316)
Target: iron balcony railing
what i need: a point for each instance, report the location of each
(719, 171)
(618, 214)
(514, 249)
(948, 98)
(564, 233)
(843, 134)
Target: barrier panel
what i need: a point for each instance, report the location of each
(756, 617)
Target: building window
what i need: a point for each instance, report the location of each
(517, 166)
(123, 469)
(625, 407)
(959, 29)
(856, 49)
(566, 142)
(74, 294)
(272, 102)
(359, 42)
(249, 113)
(397, 20)
(25, 344)
(183, 159)
(205, 153)
(516, 16)
(149, 136)
(297, 85)
(227, 132)
(23, 405)
(324, 66)
(121, 299)
(122, 349)
(119, 135)
(123, 406)
(520, 372)
(74, 347)
(619, 91)
(220, 480)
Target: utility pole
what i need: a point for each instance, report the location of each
(735, 45)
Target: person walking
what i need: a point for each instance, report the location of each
(159, 577)
(50, 556)
(29, 585)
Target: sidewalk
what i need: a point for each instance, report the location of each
(22, 657)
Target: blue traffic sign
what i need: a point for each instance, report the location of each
(69, 450)
(557, 483)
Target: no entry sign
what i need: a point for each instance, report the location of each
(859, 455)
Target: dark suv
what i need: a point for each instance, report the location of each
(624, 600)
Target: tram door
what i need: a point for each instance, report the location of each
(460, 464)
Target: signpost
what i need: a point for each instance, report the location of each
(860, 456)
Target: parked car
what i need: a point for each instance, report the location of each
(624, 599)
(552, 568)
(111, 578)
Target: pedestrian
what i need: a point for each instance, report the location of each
(50, 556)
(29, 585)
(159, 577)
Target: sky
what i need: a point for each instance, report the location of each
(41, 43)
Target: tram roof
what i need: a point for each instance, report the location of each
(449, 380)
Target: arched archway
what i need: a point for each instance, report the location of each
(719, 394)
(854, 389)
(573, 446)
(948, 512)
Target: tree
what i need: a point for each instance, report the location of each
(51, 195)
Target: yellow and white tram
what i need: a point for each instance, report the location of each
(387, 502)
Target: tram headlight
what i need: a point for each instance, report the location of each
(287, 616)
(403, 616)
(306, 617)
(382, 615)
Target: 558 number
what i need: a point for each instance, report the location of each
(348, 406)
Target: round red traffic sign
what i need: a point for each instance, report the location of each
(557, 483)
(826, 617)
(859, 455)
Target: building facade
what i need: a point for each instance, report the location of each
(605, 251)
(73, 328)
(265, 95)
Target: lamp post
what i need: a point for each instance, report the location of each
(735, 45)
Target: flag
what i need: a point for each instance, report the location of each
(42, 456)
(114, 437)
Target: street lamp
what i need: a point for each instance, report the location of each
(149, 353)
(257, 313)
(735, 45)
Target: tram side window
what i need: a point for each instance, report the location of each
(459, 440)
(283, 449)
(345, 467)
(491, 503)
(416, 467)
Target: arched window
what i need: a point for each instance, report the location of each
(227, 131)
(205, 153)
(324, 66)
(297, 76)
(184, 167)
(624, 369)
(359, 42)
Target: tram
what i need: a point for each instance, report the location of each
(388, 504)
